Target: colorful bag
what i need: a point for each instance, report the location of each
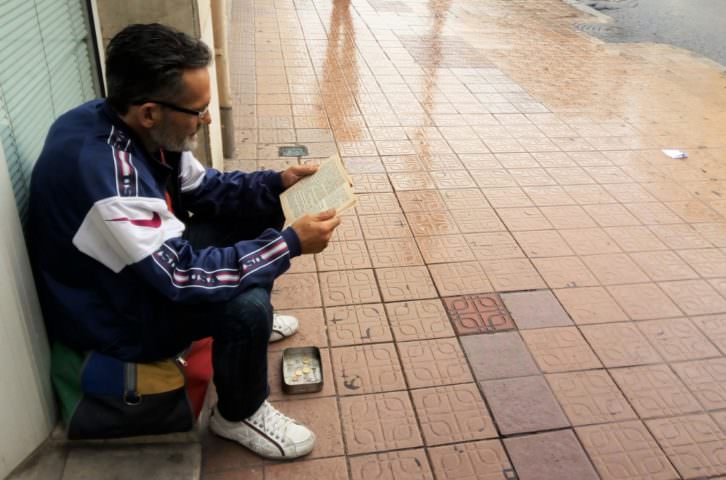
(102, 397)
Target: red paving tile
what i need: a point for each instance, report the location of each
(478, 314)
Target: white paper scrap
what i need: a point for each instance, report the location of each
(675, 153)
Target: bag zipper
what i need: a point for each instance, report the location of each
(131, 394)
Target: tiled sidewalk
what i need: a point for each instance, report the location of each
(527, 284)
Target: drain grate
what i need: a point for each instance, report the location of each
(293, 151)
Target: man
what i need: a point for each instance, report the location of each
(139, 250)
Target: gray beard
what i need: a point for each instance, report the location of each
(167, 140)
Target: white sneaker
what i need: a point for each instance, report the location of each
(283, 326)
(267, 432)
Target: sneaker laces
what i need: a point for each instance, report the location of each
(272, 421)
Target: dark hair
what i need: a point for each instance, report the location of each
(147, 61)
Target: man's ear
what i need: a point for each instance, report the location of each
(147, 115)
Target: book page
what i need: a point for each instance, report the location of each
(329, 187)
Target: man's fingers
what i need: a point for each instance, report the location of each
(325, 215)
(332, 223)
(305, 170)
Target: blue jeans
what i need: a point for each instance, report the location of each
(241, 327)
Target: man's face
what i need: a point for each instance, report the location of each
(177, 131)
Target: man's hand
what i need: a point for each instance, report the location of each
(291, 176)
(314, 231)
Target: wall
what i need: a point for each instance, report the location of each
(191, 16)
(27, 412)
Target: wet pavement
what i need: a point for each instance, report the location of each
(696, 25)
(529, 288)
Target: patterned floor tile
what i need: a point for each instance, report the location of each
(714, 327)
(321, 416)
(380, 422)
(500, 355)
(614, 269)
(399, 465)
(620, 344)
(418, 320)
(452, 414)
(695, 297)
(513, 274)
(677, 339)
(348, 287)
(523, 404)
(296, 290)
(405, 283)
(311, 329)
(550, 456)
(535, 309)
(444, 248)
(644, 301)
(565, 272)
(348, 230)
(560, 349)
(655, 391)
(625, 451)
(357, 324)
(589, 305)
(429, 363)
(376, 227)
(472, 461)
(663, 266)
(694, 444)
(460, 278)
(706, 379)
(367, 369)
(394, 252)
(590, 397)
(326, 468)
(478, 314)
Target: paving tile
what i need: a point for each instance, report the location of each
(513, 274)
(635, 238)
(398, 465)
(296, 290)
(367, 369)
(568, 216)
(303, 264)
(565, 272)
(429, 363)
(357, 324)
(431, 223)
(625, 451)
(321, 416)
(311, 330)
(679, 236)
(587, 305)
(444, 248)
(472, 461)
(535, 309)
(501, 355)
(459, 278)
(590, 397)
(348, 230)
(611, 215)
(418, 320)
(405, 283)
(376, 227)
(274, 377)
(527, 218)
(695, 297)
(694, 444)
(714, 327)
(706, 379)
(493, 246)
(677, 339)
(614, 269)
(420, 201)
(220, 455)
(543, 243)
(348, 287)
(394, 252)
(379, 422)
(655, 391)
(560, 349)
(377, 204)
(644, 301)
(663, 265)
(325, 468)
(473, 220)
(245, 473)
(478, 314)
(450, 414)
(619, 344)
(523, 404)
(550, 456)
(590, 241)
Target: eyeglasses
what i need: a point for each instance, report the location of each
(198, 113)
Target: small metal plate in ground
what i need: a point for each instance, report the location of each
(293, 151)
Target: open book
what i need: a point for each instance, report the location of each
(329, 187)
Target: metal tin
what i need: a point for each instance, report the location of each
(302, 370)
